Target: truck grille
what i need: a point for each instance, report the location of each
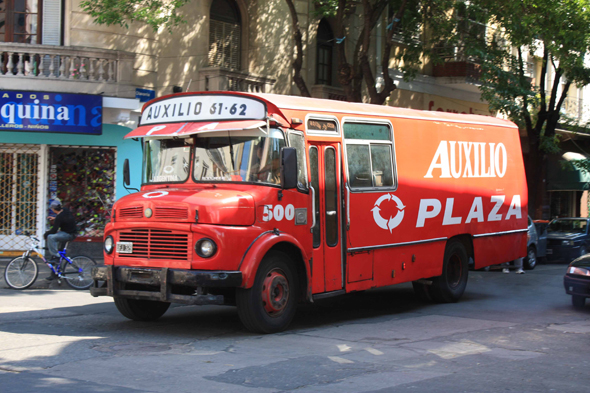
(156, 244)
(171, 213)
(131, 212)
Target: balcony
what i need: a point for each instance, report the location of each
(220, 79)
(66, 69)
(463, 74)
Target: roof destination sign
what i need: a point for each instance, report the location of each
(203, 108)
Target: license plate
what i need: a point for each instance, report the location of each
(549, 251)
(125, 247)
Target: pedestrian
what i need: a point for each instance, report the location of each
(63, 230)
(517, 264)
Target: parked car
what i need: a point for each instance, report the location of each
(577, 280)
(567, 239)
(536, 246)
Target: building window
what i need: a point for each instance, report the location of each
(20, 21)
(325, 54)
(225, 35)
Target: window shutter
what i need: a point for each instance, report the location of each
(52, 20)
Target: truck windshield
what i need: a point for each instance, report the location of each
(233, 156)
(166, 160)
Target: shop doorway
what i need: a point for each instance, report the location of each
(83, 178)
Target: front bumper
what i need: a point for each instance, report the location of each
(576, 286)
(562, 253)
(158, 283)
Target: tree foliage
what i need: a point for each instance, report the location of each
(406, 42)
(155, 13)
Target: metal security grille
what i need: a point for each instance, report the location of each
(19, 191)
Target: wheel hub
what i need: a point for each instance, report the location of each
(275, 293)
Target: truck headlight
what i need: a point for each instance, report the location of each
(205, 248)
(567, 243)
(108, 244)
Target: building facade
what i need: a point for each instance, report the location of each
(51, 50)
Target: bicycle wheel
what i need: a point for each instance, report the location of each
(78, 274)
(21, 273)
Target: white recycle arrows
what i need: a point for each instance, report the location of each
(393, 221)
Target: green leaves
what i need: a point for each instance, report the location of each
(155, 13)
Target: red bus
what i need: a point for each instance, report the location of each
(265, 201)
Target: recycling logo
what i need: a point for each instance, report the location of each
(393, 221)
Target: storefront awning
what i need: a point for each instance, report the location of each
(563, 176)
(181, 129)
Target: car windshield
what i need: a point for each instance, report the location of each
(568, 226)
(166, 160)
(234, 156)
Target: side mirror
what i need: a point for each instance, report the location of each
(288, 160)
(126, 178)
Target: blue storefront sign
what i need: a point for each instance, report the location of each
(50, 112)
(145, 95)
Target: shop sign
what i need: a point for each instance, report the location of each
(145, 95)
(50, 112)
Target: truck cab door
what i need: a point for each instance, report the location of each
(327, 237)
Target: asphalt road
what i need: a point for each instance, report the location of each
(511, 332)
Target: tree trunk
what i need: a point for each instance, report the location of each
(298, 61)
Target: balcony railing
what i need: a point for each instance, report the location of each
(62, 63)
(219, 79)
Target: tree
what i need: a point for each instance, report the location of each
(405, 22)
(556, 32)
(155, 13)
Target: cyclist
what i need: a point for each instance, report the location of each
(63, 230)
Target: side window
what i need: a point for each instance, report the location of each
(297, 141)
(369, 154)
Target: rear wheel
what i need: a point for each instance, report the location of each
(531, 259)
(421, 291)
(141, 310)
(78, 274)
(449, 287)
(578, 301)
(21, 273)
(270, 305)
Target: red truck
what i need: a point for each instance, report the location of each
(265, 201)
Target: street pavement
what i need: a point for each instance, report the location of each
(511, 333)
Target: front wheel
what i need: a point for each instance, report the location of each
(270, 305)
(21, 273)
(78, 274)
(141, 310)
(531, 259)
(449, 287)
(578, 301)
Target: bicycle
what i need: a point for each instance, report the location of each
(22, 272)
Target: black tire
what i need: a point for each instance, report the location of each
(530, 261)
(78, 274)
(449, 287)
(21, 273)
(578, 301)
(270, 305)
(421, 291)
(141, 310)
